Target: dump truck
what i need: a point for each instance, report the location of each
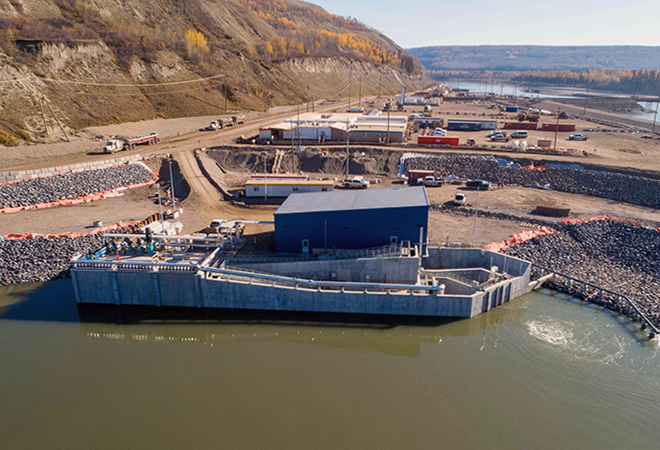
(123, 143)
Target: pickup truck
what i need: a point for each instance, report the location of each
(478, 184)
(430, 181)
(500, 138)
(355, 183)
(578, 137)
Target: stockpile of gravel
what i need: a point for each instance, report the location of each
(621, 257)
(613, 186)
(72, 185)
(41, 259)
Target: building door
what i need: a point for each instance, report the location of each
(305, 246)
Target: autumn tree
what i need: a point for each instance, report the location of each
(195, 42)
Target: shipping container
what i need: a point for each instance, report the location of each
(462, 125)
(437, 140)
(519, 126)
(414, 175)
(284, 188)
(562, 127)
(512, 109)
(489, 124)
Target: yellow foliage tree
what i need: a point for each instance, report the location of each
(195, 41)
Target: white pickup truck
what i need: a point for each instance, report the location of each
(355, 183)
(430, 181)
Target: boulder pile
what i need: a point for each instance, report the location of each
(42, 259)
(72, 185)
(636, 190)
(621, 257)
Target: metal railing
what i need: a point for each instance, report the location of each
(598, 295)
(254, 277)
(388, 250)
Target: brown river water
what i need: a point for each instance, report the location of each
(541, 372)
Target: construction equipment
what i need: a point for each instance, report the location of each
(400, 104)
(528, 117)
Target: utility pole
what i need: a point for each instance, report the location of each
(350, 80)
(557, 127)
(41, 105)
(586, 99)
(160, 204)
(172, 185)
(380, 86)
(476, 211)
(293, 150)
(307, 98)
(298, 128)
(265, 178)
(225, 85)
(655, 116)
(388, 126)
(360, 94)
(58, 122)
(348, 158)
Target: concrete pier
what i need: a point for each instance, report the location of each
(457, 283)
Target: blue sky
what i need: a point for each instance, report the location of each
(414, 23)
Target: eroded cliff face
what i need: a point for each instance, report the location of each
(83, 58)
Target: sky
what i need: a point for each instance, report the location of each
(415, 23)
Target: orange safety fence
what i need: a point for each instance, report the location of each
(519, 238)
(75, 201)
(15, 236)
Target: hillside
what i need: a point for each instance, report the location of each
(86, 59)
(531, 57)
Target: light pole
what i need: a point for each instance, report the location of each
(557, 127)
(172, 186)
(655, 116)
(474, 228)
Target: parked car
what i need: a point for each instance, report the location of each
(578, 137)
(438, 132)
(459, 199)
(519, 134)
(471, 141)
(430, 181)
(478, 184)
(496, 133)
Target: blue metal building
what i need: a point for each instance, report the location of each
(351, 219)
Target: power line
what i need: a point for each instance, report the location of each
(52, 80)
(14, 80)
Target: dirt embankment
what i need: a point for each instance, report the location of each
(318, 160)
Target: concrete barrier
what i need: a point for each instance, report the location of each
(50, 171)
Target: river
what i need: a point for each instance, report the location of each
(550, 92)
(541, 372)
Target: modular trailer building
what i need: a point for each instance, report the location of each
(318, 222)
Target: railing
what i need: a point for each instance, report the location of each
(598, 295)
(121, 265)
(254, 277)
(388, 250)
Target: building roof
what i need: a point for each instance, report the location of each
(398, 197)
(262, 182)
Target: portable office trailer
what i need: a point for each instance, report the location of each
(463, 125)
(284, 188)
(351, 219)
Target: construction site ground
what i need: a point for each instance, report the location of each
(203, 204)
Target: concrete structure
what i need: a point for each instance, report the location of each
(452, 282)
(283, 188)
(351, 219)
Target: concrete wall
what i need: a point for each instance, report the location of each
(391, 270)
(50, 171)
(222, 294)
(461, 258)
